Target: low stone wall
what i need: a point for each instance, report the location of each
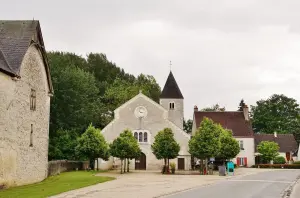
(58, 166)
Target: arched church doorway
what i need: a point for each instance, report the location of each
(140, 162)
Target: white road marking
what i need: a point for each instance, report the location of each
(267, 181)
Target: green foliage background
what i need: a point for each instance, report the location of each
(88, 90)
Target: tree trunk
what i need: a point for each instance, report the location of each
(121, 166)
(97, 164)
(201, 167)
(165, 166)
(206, 167)
(127, 165)
(92, 163)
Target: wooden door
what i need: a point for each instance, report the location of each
(140, 163)
(180, 163)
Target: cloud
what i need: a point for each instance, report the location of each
(222, 51)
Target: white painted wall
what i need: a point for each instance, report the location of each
(248, 151)
(156, 120)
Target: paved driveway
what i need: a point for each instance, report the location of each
(146, 184)
(264, 185)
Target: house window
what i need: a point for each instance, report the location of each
(33, 100)
(140, 136)
(241, 144)
(31, 134)
(136, 135)
(145, 137)
(171, 105)
(242, 161)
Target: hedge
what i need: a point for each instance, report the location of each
(285, 166)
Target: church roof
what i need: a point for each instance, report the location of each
(171, 89)
(233, 120)
(15, 39)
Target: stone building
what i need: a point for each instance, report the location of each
(146, 118)
(25, 91)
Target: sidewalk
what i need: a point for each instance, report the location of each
(296, 190)
(148, 184)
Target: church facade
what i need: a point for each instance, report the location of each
(145, 118)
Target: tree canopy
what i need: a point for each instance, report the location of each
(92, 145)
(188, 125)
(88, 90)
(241, 105)
(125, 146)
(268, 150)
(215, 107)
(229, 147)
(165, 146)
(278, 113)
(205, 143)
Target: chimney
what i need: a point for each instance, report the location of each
(195, 108)
(246, 112)
(275, 134)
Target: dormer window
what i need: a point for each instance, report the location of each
(171, 105)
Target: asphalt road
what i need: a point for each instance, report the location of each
(263, 185)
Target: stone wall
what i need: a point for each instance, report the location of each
(59, 166)
(21, 163)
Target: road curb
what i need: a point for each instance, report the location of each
(288, 191)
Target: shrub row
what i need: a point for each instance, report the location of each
(285, 166)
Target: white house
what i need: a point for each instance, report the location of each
(239, 123)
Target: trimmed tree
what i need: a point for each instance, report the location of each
(165, 147)
(205, 144)
(92, 145)
(133, 149)
(268, 150)
(125, 147)
(229, 147)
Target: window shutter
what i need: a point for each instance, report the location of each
(238, 161)
(245, 161)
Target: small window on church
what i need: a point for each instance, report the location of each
(172, 105)
(136, 135)
(33, 100)
(31, 134)
(145, 137)
(140, 137)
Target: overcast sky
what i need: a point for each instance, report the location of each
(221, 51)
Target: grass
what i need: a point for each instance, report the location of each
(55, 185)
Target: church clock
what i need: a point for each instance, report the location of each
(140, 112)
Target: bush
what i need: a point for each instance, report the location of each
(172, 165)
(296, 162)
(285, 166)
(279, 160)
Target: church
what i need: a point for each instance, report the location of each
(145, 118)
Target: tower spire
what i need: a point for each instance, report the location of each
(170, 65)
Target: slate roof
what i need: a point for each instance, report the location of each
(286, 142)
(233, 120)
(171, 89)
(15, 39)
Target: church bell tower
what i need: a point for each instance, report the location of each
(171, 99)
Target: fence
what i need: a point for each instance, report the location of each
(58, 166)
